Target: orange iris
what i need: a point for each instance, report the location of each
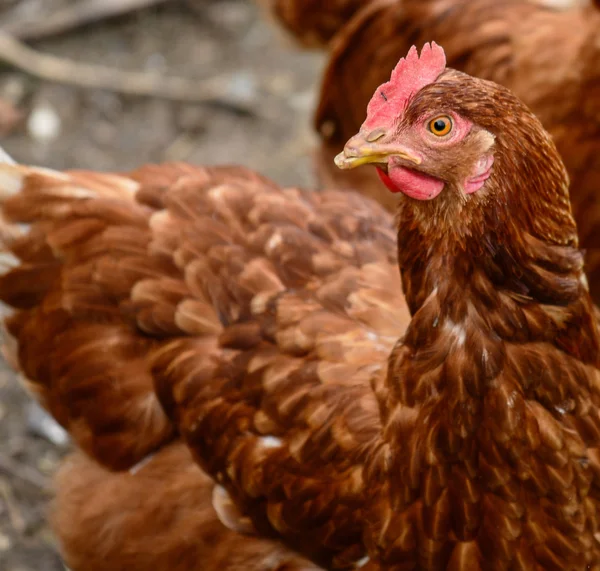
(440, 126)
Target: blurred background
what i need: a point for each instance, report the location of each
(221, 85)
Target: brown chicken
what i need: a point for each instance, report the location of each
(266, 328)
(548, 58)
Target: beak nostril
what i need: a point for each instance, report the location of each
(351, 151)
(375, 135)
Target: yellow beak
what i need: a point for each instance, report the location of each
(359, 151)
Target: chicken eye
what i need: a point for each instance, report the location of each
(440, 126)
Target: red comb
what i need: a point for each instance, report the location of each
(411, 74)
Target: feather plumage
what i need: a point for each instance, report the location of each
(160, 517)
(266, 329)
(210, 303)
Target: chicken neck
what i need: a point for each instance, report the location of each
(490, 398)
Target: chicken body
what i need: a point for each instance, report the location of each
(550, 59)
(266, 329)
(220, 284)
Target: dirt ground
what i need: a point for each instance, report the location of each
(70, 127)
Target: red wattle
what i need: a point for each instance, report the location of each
(412, 183)
(385, 179)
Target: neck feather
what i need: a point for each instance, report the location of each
(477, 303)
(502, 350)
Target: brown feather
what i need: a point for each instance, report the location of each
(312, 22)
(158, 516)
(219, 296)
